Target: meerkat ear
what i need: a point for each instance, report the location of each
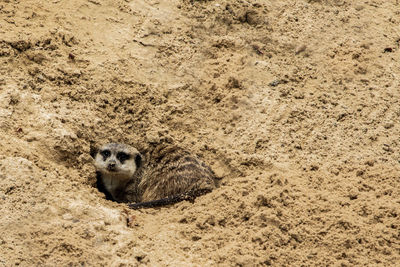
(138, 160)
(93, 151)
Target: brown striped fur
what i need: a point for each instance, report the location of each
(172, 171)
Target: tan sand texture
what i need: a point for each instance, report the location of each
(294, 104)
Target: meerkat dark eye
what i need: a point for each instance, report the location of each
(122, 156)
(105, 153)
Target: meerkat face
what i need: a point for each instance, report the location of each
(118, 160)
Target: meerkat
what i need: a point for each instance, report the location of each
(166, 174)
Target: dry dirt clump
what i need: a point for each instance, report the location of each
(294, 104)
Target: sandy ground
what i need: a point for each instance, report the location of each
(294, 104)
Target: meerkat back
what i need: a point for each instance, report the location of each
(171, 171)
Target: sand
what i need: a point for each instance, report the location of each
(294, 104)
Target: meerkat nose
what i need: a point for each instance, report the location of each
(111, 166)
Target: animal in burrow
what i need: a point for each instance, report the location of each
(163, 175)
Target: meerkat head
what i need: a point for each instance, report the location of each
(118, 160)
